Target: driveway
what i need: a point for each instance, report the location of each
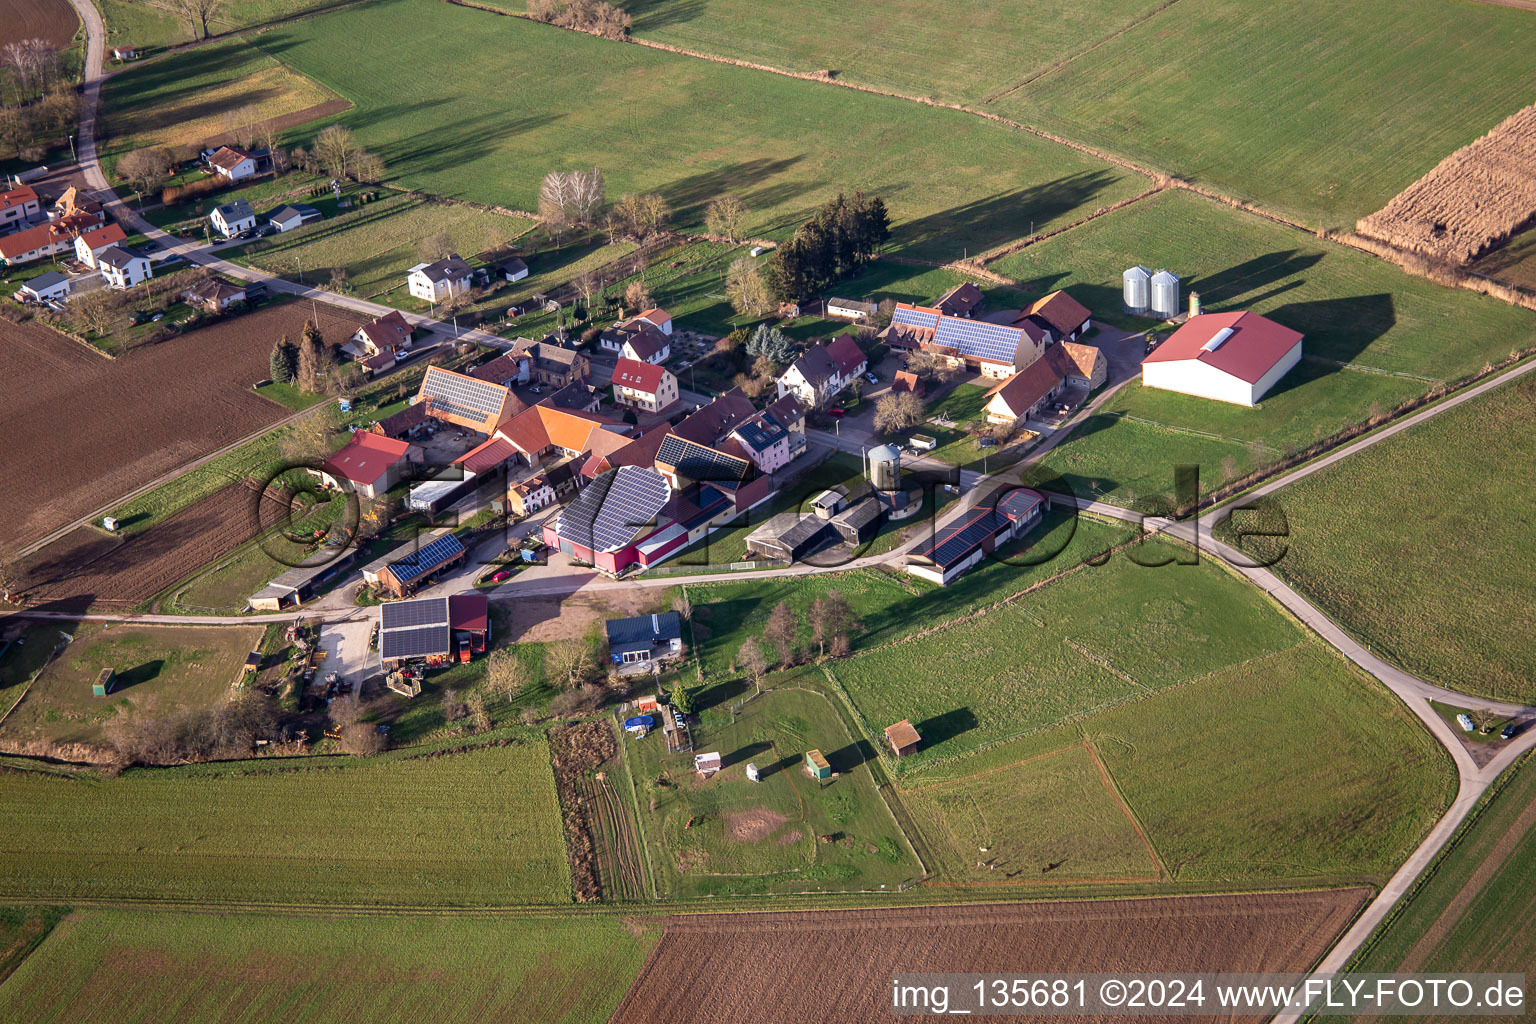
(346, 650)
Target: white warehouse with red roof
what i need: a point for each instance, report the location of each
(1231, 357)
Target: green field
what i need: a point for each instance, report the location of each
(1096, 638)
(650, 120)
(726, 834)
(146, 967)
(151, 26)
(1443, 590)
(160, 667)
(1249, 97)
(474, 828)
(1374, 337)
(1473, 910)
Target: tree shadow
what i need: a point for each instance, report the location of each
(688, 196)
(986, 223)
(651, 15)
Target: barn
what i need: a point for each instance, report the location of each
(1230, 357)
(403, 570)
(992, 522)
(433, 630)
(902, 737)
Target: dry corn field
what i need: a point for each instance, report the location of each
(1472, 201)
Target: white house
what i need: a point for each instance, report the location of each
(514, 269)
(286, 218)
(643, 386)
(122, 268)
(526, 497)
(659, 319)
(232, 164)
(823, 371)
(775, 436)
(435, 282)
(1231, 357)
(52, 285)
(233, 217)
(640, 339)
(91, 243)
(17, 208)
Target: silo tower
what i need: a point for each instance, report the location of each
(1165, 294)
(885, 467)
(1137, 285)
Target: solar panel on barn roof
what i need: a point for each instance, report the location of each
(915, 318)
(418, 642)
(428, 558)
(425, 611)
(979, 339)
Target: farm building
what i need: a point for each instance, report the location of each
(1082, 366)
(823, 371)
(997, 518)
(370, 463)
(902, 737)
(1023, 394)
(850, 309)
(92, 243)
(1060, 315)
(817, 766)
(707, 764)
(43, 287)
(463, 401)
(17, 208)
(286, 218)
(1231, 357)
(292, 588)
(434, 630)
(252, 663)
(105, 680)
(214, 295)
(403, 570)
(439, 280)
(123, 268)
(124, 53)
(551, 364)
(233, 217)
(232, 164)
(791, 537)
(993, 350)
(963, 300)
(644, 386)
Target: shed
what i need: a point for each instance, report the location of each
(752, 773)
(252, 662)
(707, 764)
(902, 737)
(105, 680)
(816, 764)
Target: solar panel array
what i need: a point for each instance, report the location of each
(632, 502)
(426, 611)
(428, 558)
(696, 462)
(915, 318)
(466, 397)
(418, 642)
(978, 339)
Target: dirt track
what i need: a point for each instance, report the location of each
(82, 430)
(52, 20)
(837, 965)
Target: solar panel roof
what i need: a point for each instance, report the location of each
(915, 318)
(613, 510)
(429, 557)
(978, 339)
(463, 396)
(417, 642)
(426, 611)
(697, 462)
(962, 537)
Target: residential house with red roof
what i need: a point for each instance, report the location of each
(370, 463)
(1231, 357)
(36, 243)
(659, 319)
(92, 243)
(644, 386)
(232, 164)
(1023, 394)
(1062, 316)
(993, 350)
(17, 208)
(823, 371)
(388, 335)
(550, 364)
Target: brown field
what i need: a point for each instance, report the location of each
(86, 569)
(837, 964)
(1473, 200)
(82, 430)
(53, 20)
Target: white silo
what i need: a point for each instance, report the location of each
(1165, 294)
(1137, 282)
(885, 467)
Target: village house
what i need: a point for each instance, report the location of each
(551, 364)
(639, 339)
(507, 369)
(233, 217)
(525, 497)
(440, 280)
(659, 319)
(18, 207)
(286, 218)
(907, 381)
(645, 639)
(1022, 395)
(963, 300)
(35, 243)
(91, 243)
(823, 371)
(370, 463)
(774, 437)
(1083, 366)
(644, 386)
(464, 401)
(214, 295)
(123, 268)
(45, 287)
(232, 164)
(389, 335)
(1231, 357)
(1061, 316)
(993, 350)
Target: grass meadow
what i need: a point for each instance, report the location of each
(161, 667)
(1445, 589)
(1472, 912)
(1249, 97)
(323, 831)
(142, 967)
(152, 26)
(652, 121)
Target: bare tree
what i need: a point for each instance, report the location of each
(931, 366)
(723, 216)
(506, 674)
(586, 284)
(479, 714)
(102, 312)
(746, 288)
(336, 150)
(368, 167)
(781, 631)
(753, 662)
(146, 169)
(637, 296)
(830, 617)
(198, 14)
(587, 195)
(569, 662)
(555, 203)
(435, 246)
(898, 411)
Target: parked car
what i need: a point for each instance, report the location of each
(157, 318)
(872, 378)
(150, 246)
(837, 414)
(1508, 731)
(536, 390)
(502, 576)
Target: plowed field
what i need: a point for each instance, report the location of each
(52, 20)
(837, 965)
(81, 430)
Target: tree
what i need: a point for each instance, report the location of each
(435, 246)
(830, 617)
(752, 661)
(10, 576)
(638, 217)
(637, 296)
(555, 203)
(336, 150)
(841, 236)
(931, 366)
(362, 739)
(898, 411)
(569, 662)
(782, 629)
(146, 169)
(311, 436)
(479, 714)
(723, 217)
(587, 195)
(684, 699)
(773, 343)
(198, 13)
(587, 283)
(747, 289)
(102, 312)
(368, 167)
(506, 674)
(315, 359)
(283, 364)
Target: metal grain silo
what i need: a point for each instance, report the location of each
(1165, 294)
(885, 467)
(1137, 282)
